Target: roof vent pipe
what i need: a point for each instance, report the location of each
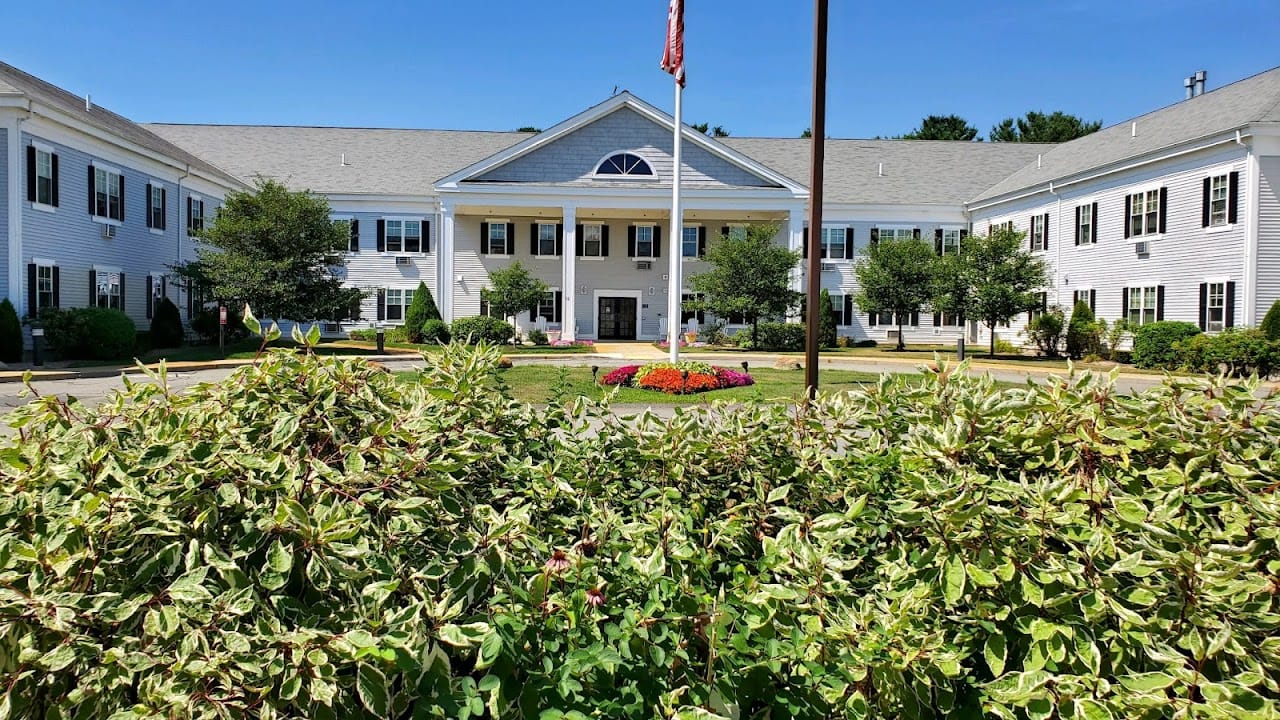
(343, 160)
(880, 171)
(1190, 84)
(1039, 160)
(1133, 130)
(1201, 76)
(88, 103)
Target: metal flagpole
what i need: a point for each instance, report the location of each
(817, 142)
(675, 242)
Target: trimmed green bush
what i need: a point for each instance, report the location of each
(1153, 343)
(10, 333)
(538, 337)
(435, 331)
(89, 333)
(166, 325)
(1084, 332)
(482, 328)
(1236, 352)
(1271, 321)
(422, 309)
(1046, 331)
(774, 337)
(317, 538)
(826, 321)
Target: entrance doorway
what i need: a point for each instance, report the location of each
(617, 318)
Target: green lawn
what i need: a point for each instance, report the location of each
(369, 346)
(537, 383)
(240, 350)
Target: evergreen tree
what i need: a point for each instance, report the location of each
(826, 321)
(10, 333)
(1083, 333)
(166, 325)
(1055, 127)
(943, 127)
(1271, 321)
(422, 309)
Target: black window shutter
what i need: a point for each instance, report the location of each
(559, 307)
(559, 239)
(1093, 229)
(164, 208)
(484, 237)
(915, 233)
(354, 241)
(147, 198)
(533, 239)
(875, 237)
(631, 241)
(937, 241)
(577, 237)
(963, 234)
(702, 241)
(804, 244)
(604, 241)
(937, 319)
(426, 236)
(533, 313)
(511, 239)
(915, 318)
(1159, 303)
(872, 318)
(1204, 214)
(92, 205)
(1128, 207)
(848, 310)
(1031, 231)
(1233, 196)
(57, 287)
(93, 288)
(1164, 207)
(1204, 306)
(190, 203)
(1229, 316)
(31, 290)
(150, 297)
(31, 173)
(382, 304)
(121, 219)
(1044, 230)
(1124, 303)
(1078, 223)
(848, 243)
(657, 241)
(54, 161)
(123, 307)
(724, 231)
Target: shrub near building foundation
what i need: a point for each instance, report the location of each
(316, 538)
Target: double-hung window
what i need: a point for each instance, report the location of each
(644, 241)
(950, 242)
(397, 303)
(1216, 307)
(1218, 190)
(1144, 213)
(108, 291)
(406, 236)
(689, 242)
(155, 207)
(1142, 304)
(546, 240)
(1083, 296)
(1043, 299)
(1085, 233)
(195, 215)
(547, 306)
(44, 288)
(687, 313)
(892, 234)
(108, 194)
(1038, 232)
(499, 243)
(837, 307)
(44, 177)
(833, 243)
(592, 240)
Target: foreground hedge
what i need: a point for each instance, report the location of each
(314, 539)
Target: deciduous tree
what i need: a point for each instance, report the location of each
(749, 275)
(512, 290)
(896, 276)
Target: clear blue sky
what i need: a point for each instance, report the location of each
(498, 64)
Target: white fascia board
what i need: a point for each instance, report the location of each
(608, 193)
(1158, 155)
(73, 132)
(590, 115)
(953, 214)
(383, 199)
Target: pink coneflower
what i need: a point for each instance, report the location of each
(558, 563)
(595, 597)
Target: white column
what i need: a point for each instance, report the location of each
(16, 188)
(448, 283)
(569, 279)
(795, 242)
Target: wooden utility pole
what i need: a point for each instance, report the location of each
(816, 154)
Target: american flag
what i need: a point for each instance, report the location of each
(673, 53)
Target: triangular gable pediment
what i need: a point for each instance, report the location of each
(570, 152)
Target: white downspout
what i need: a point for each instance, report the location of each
(1057, 255)
(1253, 186)
(16, 296)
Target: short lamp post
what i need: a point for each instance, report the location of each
(37, 345)
(595, 369)
(744, 367)
(684, 382)
(381, 336)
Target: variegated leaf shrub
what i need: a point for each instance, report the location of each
(315, 538)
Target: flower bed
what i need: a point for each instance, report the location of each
(681, 378)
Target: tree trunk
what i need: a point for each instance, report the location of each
(992, 329)
(901, 345)
(755, 333)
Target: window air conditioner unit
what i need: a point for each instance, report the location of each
(329, 327)
(1142, 248)
(892, 335)
(403, 260)
(828, 267)
(644, 265)
(108, 231)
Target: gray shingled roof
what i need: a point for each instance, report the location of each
(1252, 100)
(916, 172)
(13, 80)
(379, 161)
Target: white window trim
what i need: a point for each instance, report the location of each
(843, 229)
(102, 219)
(595, 170)
(585, 256)
(552, 289)
(423, 240)
(1044, 230)
(156, 184)
(1227, 224)
(47, 149)
(644, 258)
(203, 217)
(683, 257)
(540, 256)
(1088, 202)
(1144, 189)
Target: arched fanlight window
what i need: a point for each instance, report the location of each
(624, 163)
